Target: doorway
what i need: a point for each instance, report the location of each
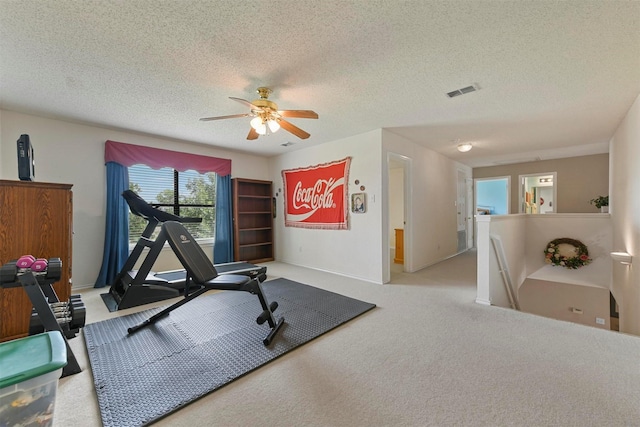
(538, 193)
(398, 208)
(492, 195)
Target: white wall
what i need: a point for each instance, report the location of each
(564, 301)
(431, 234)
(363, 250)
(624, 196)
(525, 238)
(1, 155)
(510, 230)
(594, 230)
(74, 154)
(355, 252)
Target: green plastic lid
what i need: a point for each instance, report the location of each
(30, 357)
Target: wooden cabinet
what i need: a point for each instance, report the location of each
(35, 219)
(399, 258)
(252, 220)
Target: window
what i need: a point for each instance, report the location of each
(188, 194)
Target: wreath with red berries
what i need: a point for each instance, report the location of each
(568, 253)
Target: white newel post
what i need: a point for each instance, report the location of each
(483, 223)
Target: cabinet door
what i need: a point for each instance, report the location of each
(35, 219)
(399, 258)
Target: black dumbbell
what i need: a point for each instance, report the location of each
(9, 272)
(54, 269)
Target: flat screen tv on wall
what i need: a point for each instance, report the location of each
(26, 161)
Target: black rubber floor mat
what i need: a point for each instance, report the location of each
(200, 347)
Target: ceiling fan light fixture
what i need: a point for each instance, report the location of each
(259, 125)
(266, 118)
(273, 125)
(464, 147)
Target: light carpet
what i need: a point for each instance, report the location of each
(428, 355)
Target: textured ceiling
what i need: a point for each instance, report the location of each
(555, 78)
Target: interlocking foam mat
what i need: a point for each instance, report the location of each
(201, 346)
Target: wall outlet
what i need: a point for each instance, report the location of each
(599, 320)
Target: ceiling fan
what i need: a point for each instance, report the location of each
(267, 118)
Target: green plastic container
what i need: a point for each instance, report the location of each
(29, 372)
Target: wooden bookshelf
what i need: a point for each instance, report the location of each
(252, 220)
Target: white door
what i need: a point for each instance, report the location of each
(461, 205)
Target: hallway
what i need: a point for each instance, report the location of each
(458, 272)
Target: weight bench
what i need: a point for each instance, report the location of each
(132, 288)
(202, 274)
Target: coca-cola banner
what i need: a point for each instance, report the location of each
(316, 196)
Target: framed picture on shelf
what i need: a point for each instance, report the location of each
(358, 203)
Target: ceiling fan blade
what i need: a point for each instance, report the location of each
(246, 103)
(303, 114)
(252, 134)
(289, 127)
(233, 116)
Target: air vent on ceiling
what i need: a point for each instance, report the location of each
(513, 161)
(462, 91)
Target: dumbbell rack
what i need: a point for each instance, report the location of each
(71, 316)
(37, 283)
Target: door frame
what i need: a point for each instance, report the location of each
(521, 189)
(492, 178)
(475, 198)
(408, 191)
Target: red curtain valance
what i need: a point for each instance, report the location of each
(129, 155)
